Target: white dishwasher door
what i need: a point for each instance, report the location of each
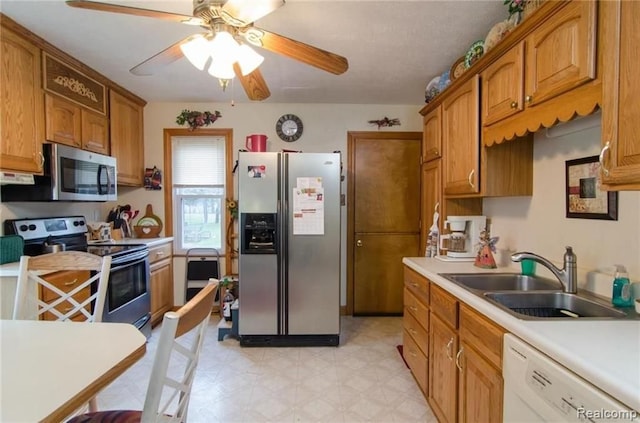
(538, 389)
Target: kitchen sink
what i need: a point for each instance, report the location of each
(536, 305)
(502, 282)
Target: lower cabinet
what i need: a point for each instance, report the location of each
(161, 281)
(462, 352)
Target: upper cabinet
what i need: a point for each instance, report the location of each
(127, 144)
(21, 104)
(461, 139)
(432, 135)
(554, 58)
(620, 157)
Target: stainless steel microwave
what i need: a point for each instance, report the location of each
(70, 174)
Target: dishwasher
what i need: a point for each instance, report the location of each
(538, 389)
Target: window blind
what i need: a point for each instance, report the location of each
(198, 161)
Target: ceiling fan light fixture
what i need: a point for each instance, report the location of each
(248, 59)
(222, 68)
(197, 50)
(223, 45)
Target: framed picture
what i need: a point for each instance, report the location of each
(585, 198)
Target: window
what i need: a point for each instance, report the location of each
(199, 192)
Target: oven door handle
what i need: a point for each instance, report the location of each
(129, 260)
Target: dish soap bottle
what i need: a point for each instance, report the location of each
(621, 296)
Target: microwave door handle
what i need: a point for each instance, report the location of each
(100, 189)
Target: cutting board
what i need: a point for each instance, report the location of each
(149, 225)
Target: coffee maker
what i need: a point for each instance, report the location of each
(461, 244)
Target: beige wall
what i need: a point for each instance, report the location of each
(538, 223)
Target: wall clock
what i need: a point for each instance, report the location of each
(289, 127)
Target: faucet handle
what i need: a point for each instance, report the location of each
(569, 255)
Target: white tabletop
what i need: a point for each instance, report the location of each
(49, 369)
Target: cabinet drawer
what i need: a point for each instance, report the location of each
(416, 360)
(444, 305)
(417, 308)
(65, 281)
(160, 252)
(418, 284)
(483, 334)
(417, 332)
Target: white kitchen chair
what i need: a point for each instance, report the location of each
(56, 299)
(178, 351)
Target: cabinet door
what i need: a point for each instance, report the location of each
(21, 104)
(481, 388)
(432, 135)
(443, 380)
(161, 282)
(95, 132)
(461, 139)
(621, 90)
(127, 139)
(561, 53)
(502, 86)
(431, 197)
(63, 121)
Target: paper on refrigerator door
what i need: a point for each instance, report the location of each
(308, 210)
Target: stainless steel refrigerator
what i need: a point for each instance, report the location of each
(289, 242)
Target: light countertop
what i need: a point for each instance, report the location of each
(604, 352)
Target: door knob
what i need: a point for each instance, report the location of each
(359, 243)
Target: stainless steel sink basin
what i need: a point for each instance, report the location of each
(502, 282)
(535, 305)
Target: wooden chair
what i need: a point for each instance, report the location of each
(180, 343)
(62, 299)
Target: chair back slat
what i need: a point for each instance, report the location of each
(33, 286)
(178, 351)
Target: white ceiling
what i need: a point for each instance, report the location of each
(394, 47)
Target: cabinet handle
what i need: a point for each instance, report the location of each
(606, 148)
(41, 159)
(68, 309)
(449, 344)
(471, 178)
(73, 282)
(458, 365)
(413, 284)
(160, 253)
(413, 308)
(412, 331)
(528, 99)
(514, 104)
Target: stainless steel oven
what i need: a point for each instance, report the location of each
(128, 293)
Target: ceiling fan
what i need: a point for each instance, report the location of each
(235, 17)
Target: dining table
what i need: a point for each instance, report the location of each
(49, 369)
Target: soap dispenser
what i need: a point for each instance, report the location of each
(621, 295)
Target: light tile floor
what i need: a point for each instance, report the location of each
(362, 380)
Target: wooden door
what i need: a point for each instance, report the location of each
(384, 218)
(461, 139)
(431, 199)
(480, 391)
(621, 90)
(63, 121)
(503, 85)
(432, 135)
(95, 132)
(21, 104)
(127, 143)
(561, 54)
(443, 374)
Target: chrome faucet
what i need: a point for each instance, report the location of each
(568, 275)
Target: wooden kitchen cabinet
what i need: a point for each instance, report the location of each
(161, 281)
(555, 58)
(432, 135)
(416, 326)
(65, 281)
(21, 103)
(620, 156)
(461, 139)
(443, 377)
(68, 123)
(431, 196)
(127, 142)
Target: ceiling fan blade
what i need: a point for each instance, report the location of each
(254, 84)
(296, 50)
(160, 60)
(114, 8)
(243, 12)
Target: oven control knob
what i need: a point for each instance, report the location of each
(78, 223)
(32, 227)
(23, 228)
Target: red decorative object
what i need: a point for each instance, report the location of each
(385, 121)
